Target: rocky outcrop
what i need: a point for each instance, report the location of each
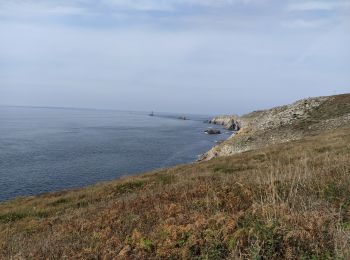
(281, 124)
(229, 122)
(213, 131)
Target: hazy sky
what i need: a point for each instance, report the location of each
(199, 56)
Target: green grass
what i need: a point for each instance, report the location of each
(129, 186)
(12, 216)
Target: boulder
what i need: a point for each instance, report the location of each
(213, 131)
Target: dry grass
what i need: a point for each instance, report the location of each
(288, 201)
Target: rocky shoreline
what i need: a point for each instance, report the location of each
(280, 124)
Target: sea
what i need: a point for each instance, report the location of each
(52, 149)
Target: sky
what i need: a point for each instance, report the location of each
(189, 56)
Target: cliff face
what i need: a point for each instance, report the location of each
(282, 124)
(230, 122)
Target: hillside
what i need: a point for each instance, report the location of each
(280, 200)
(282, 124)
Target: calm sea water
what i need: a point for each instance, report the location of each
(50, 149)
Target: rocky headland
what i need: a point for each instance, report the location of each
(281, 124)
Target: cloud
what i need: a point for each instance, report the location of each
(169, 5)
(139, 5)
(305, 24)
(161, 14)
(55, 7)
(39, 8)
(318, 5)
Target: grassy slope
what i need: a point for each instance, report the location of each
(285, 201)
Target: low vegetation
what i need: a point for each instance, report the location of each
(286, 201)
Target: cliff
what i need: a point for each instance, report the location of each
(282, 124)
(230, 122)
